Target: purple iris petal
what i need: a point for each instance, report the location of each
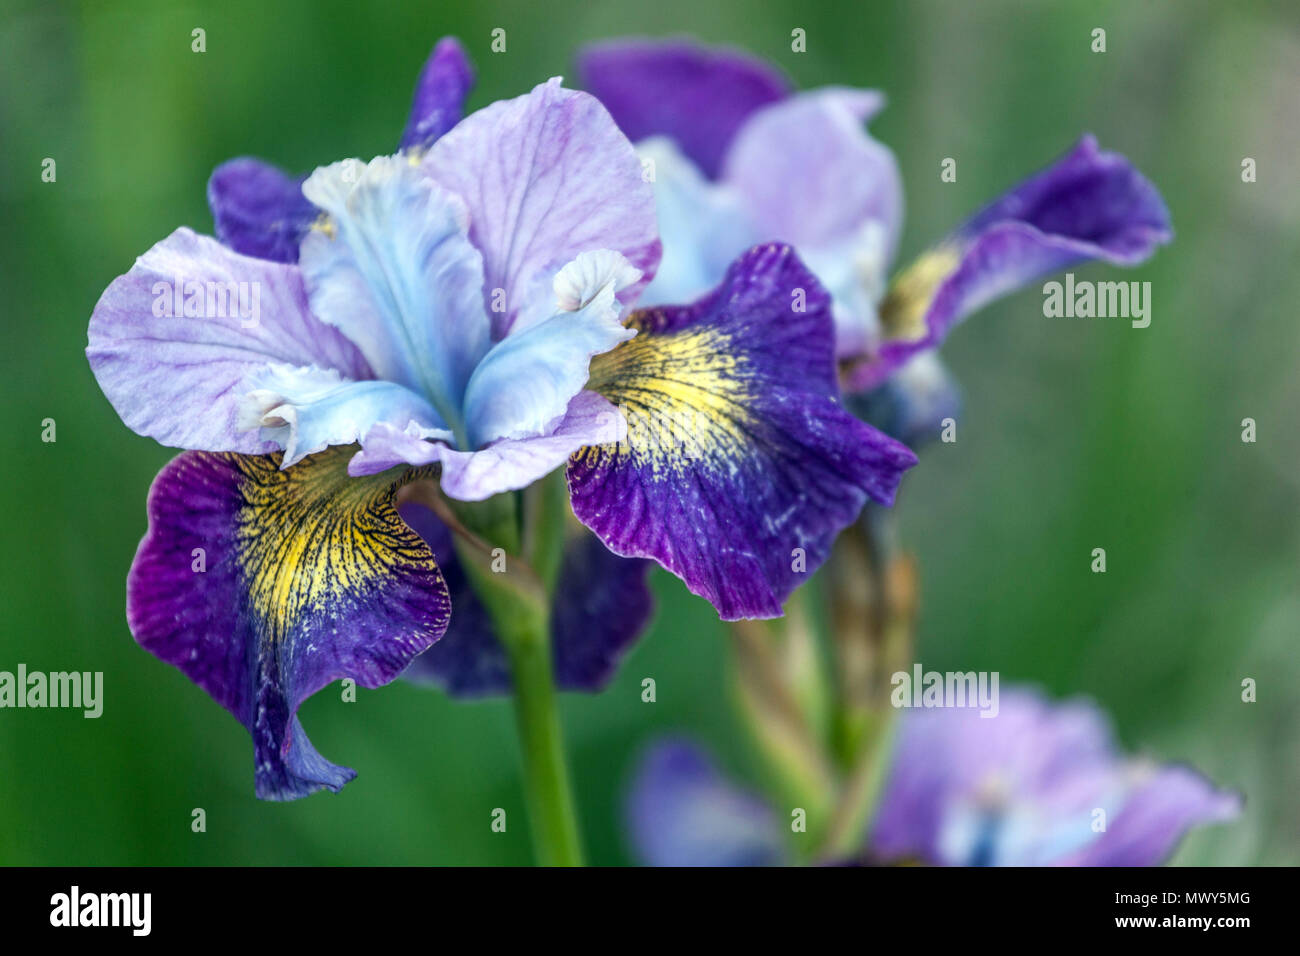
(698, 96)
(682, 812)
(179, 341)
(546, 177)
(468, 661)
(440, 93)
(259, 210)
(740, 467)
(1087, 205)
(1030, 786)
(602, 605)
(263, 586)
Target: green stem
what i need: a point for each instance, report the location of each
(518, 600)
(546, 776)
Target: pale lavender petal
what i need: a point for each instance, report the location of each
(546, 176)
(811, 175)
(703, 225)
(180, 378)
(502, 466)
(1165, 803)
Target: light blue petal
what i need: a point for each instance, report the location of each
(395, 270)
(524, 385)
(305, 410)
(701, 224)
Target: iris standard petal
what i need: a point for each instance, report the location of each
(263, 586)
(546, 177)
(811, 175)
(178, 341)
(395, 271)
(602, 604)
(1088, 205)
(699, 96)
(682, 812)
(258, 209)
(740, 467)
(440, 93)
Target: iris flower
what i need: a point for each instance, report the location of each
(739, 157)
(454, 314)
(1040, 784)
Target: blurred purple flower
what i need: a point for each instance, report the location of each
(1037, 785)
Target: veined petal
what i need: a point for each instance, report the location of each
(1087, 205)
(178, 341)
(526, 381)
(602, 605)
(259, 210)
(263, 586)
(682, 812)
(440, 93)
(396, 272)
(699, 96)
(740, 467)
(546, 176)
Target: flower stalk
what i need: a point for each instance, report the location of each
(518, 599)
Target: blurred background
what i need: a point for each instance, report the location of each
(1075, 435)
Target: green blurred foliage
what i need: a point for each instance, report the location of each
(1077, 434)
